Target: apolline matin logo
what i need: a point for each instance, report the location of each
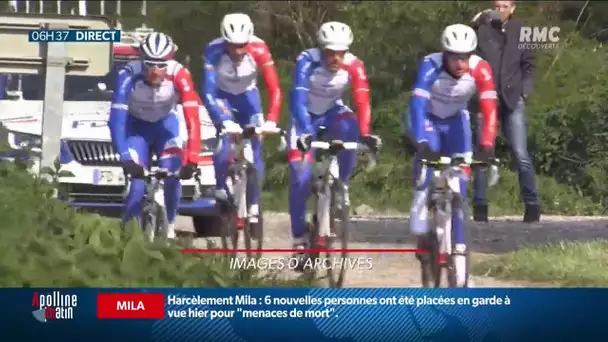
(54, 306)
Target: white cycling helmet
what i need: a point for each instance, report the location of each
(335, 36)
(459, 38)
(237, 28)
(157, 46)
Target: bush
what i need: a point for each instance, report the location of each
(44, 243)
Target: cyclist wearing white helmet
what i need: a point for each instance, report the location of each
(230, 92)
(143, 115)
(321, 77)
(439, 120)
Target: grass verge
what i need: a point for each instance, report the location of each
(580, 264)
(44, 243)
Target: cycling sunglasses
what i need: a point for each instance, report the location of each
(457, 56)
(157, 64)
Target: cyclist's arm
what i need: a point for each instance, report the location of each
(482, 73)
(299, 92)
(421, 96)
(263, 59)
(119, 111)
(360, 88)
(209, 89)
(190, 102)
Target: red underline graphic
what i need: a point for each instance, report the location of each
(291, 250)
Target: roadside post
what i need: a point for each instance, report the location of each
(55, 60)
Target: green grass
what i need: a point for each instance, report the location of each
(44, 243)
(580, 264)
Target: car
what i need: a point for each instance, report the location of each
(96, 181)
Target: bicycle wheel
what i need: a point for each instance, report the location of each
(149, 222)
(229, 231)
(162, 222)
(253, 235)
(430, 262)
(312, 230)
(458, 267)
(339, 228)
(310, 272)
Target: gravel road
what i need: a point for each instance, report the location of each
(501, 235)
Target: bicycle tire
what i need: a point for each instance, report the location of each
(253, 231)
(340, 230)
(229, 232)
(310, 273)
(452, 267)
(149, 222)
(162, 222)
(312, 230)
(430, 269)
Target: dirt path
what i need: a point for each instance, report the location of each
(401, 270)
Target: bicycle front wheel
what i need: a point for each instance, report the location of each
(229, 230)
(253, 231)
(152, 216)
(459, 263)
(340, 228)
(430, 262)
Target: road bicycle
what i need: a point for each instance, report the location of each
(241, 175)
(444, 251)
(331, 218)
(154, 212)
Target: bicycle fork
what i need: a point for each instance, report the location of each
(450, 246)
(444, 221)
(324, 202)
(239, 187)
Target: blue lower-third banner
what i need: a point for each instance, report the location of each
(374, 314)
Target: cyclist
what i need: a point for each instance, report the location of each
(144, 115)
(321, 77)
(231, 65)
(439, 121)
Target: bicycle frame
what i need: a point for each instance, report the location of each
(244, 161)
(329, 172)
(243, 156)
(445, 192)
(446, 187)
(154, 198)
(154, 192)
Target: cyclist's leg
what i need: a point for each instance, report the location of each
(300, 173)
(458, 141)
(138, 133)
(249, 112)
(221, 159)
(169, 149)
(422, 181)
(343, 125)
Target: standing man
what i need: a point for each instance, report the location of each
(498, 33)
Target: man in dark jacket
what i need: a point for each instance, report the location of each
(498, 35)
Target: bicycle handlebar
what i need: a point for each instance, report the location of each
(449, 162)
(249, 132)
(459, 160)
(335, 146)
(162, 173)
